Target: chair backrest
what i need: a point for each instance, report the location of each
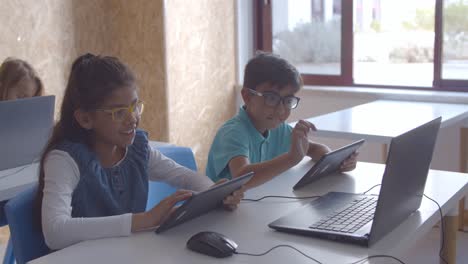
(159, 190)
(25, 234)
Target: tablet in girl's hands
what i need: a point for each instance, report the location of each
(203, 202)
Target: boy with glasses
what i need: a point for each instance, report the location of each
(258, 139)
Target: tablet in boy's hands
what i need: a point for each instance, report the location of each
(202, 202)
(329, 163)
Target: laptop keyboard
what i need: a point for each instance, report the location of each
(352, 218)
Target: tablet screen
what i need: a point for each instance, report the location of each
(329, 163)
(202, 202)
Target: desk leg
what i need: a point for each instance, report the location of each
(384, 153)
(450, 231)
(463, 168)
(461, 214)
(464, 149)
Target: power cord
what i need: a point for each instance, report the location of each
(371, 188)
(315, 260)
(294, 197)
(275, 247)
(442, 225)
(441, 222)
(280, 196)
(378, 256)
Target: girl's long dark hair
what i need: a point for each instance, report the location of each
(92, 80)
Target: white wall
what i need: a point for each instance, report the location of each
(244, 36)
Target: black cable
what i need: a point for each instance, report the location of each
(280, 196)
(441, 222)
(268, 251)
(378, 256)
(311, 258)
(441, 228)
(372, 188)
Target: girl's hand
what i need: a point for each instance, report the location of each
(349, 164)
(232, 201)
(158, 214)
(300, 141)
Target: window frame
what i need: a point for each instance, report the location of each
(263, 37)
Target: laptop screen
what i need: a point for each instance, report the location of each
(27, 124)
(404, 179)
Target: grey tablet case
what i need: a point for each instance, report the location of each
(201, 203)
(329, 163)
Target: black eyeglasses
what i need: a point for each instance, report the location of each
(273, 99)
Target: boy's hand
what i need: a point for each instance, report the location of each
(349, 164)
(300, 141)
(230, 202)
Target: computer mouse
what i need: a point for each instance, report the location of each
(212, 244)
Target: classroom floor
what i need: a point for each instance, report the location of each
(425, 252)
(4, 235)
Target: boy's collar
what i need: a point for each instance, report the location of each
(243, 115)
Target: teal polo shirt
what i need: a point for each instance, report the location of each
(239, 137)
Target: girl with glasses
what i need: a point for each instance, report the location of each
(95, 169)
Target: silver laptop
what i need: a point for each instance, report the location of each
(364, 219)
(25, 128)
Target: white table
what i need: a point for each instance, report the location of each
(380, 121)
(15, 180)
(248, 225)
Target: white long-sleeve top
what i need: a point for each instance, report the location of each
(61, 178)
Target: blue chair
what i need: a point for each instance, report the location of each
(159, 190)
(8, 257)
(25, 233)
(3, 220)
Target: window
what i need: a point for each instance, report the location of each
(420, 44)
(307, 35)
(394, 42)
(455, 44)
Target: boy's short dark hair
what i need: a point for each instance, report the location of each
(270, 68)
